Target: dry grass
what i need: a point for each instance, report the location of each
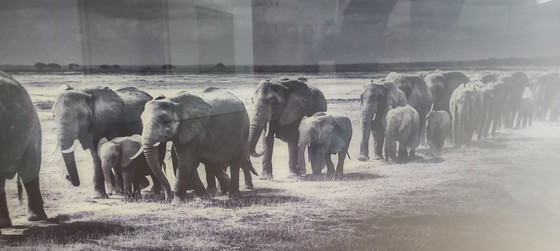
(500, 194)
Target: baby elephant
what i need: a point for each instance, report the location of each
(130, 175)
(402, 126)
(325, 134)
(437, 130)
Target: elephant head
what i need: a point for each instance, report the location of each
(81, 116)
(442, 84)
(283, 102)
(180, 118)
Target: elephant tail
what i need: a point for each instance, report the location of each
(19, 190)
(347, 154)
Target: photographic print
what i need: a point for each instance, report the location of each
(279, 125)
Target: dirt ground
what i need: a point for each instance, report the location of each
(499, 194)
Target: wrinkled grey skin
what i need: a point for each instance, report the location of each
(129, 173)
(211, 127)
(325, 134)
(281, 105)
(442, 84)
(402, 126)
(376, 99)
(465, 104)
(546, 92)
(438, 128)
(526, 109)
(418, 95)
(500, 92)
(20, 147)
(517, 82)
(87, 115)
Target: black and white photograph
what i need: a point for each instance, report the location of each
(280, 125)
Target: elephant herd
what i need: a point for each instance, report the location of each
(127, 130)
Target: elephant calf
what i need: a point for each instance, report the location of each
(325, 134)
(402, 126)
(130, 175)
(437, 129)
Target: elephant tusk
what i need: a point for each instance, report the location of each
(72, 148)
(157, 143)
(56, 146)
(138, 153)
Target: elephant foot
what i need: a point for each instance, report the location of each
(5, 222)
(266, 176)
(212, 191)
(249, 187)
(156, 189)
(363, 158)
(36, 215)
(294, 176)
(100, 195)
(177, 201)
(378, 157)
(235, 194)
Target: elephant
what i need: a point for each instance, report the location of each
(465, 104)
(403, 124)
(546, 89)
(376, 99)
(497, 106)
(526, 109)
(438, 128)
(488, 96)
(210, 127)
(516, 82)
(488, 78)
(129, 173)
(325, 134)
(87, 115)
(20, 148)
(282, 105)
(417, 93)
(442, 84)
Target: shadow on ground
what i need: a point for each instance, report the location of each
(64, 233)
(345, 177)
(259, 196)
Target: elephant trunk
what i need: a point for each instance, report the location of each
(152, 157)
(67, 141)
(367, 117)
(261, 118)
(107, 167)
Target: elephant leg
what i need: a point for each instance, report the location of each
(378, 139)
(234, 182)
(187, 174)
(330, 165)
(247, 176)
(118, 177)
(98, 179)
(211, 179)
(128, 179)
(403, 154)
(340, 165)
(156, 187)
(293, 155)
(5, 221)
(267, 158)
(36, 211)
(223, 180)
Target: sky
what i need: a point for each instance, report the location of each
(245, 32)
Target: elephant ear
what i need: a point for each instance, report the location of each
(193, 113)
(107, 108)
(101, 142)
(406, 120)
(299, 101)
(327, 129)
(128, 149)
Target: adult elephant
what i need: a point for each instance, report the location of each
(545, 90)
(517, 82)
(465, 104)
(442, 84)
(282, 105)
(211, 127)
(376, 99)
(20, 147)
(417, 94)
(87, 115)
(500, 94)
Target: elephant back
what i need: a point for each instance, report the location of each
(222, 101)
